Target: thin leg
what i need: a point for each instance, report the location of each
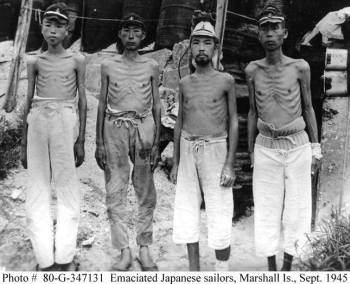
(223, 254)
(222, 257)
(287, 262)
(193, 256)
(271, 262)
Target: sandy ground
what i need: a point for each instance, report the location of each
(15, 247)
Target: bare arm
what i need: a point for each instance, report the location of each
(309, 115)
(82, 105)
(228, 177)
(100, 149)
(31, 71)
(156, 116)
(233, 123)
(177, 135)
(177, 129)
(308, 110)
(252, 114)
(156, 103)
(101, 106)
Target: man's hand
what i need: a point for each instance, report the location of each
(228, 175)
(79, 153)
(251, 156)
(24, 155)
(100, 156)
(155, 157)
(315, 166)
(173, 174)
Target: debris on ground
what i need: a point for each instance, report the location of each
(16, 194)
(88, 242)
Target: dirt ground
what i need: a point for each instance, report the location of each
(94, 249)
(15, 248)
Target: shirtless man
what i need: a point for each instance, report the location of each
(205, 142)
(53, 138)
(128, 126)
(280, 108)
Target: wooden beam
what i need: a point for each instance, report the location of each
(221, 12)
(20, 44)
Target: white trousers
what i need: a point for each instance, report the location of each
(282, 198)
(201, 163)
(52, 132)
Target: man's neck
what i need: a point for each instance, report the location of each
(274, 57)
(130, 55)
(204, 70)
(56, 49)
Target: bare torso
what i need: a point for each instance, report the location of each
(56, 76)
(277, 91)
(130, 85)
(205, 103)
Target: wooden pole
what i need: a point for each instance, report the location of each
(221, 12)
(20, 44)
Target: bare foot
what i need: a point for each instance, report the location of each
(146, 261)
(124, 262)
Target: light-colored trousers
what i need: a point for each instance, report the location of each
(201, 163)
(52, 132)
(282, 198)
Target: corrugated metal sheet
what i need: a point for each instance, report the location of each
(175, 21)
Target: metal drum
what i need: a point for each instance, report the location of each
(175, 21)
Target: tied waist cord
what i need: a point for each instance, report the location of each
(196, 144)
(127, 118)
(201, 141)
